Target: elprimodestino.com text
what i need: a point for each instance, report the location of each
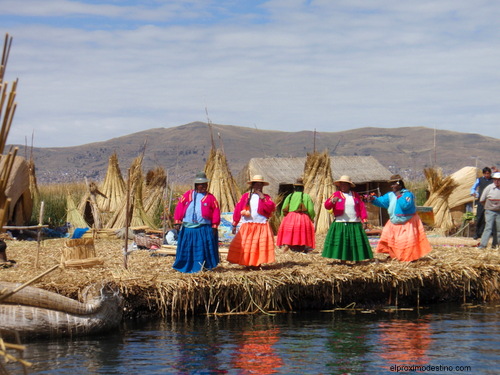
(429, 368)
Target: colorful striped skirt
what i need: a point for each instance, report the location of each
(197, 249)
(296, 229)
(347, 241)
(405, 242)
(253, 245)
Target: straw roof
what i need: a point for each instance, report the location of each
(276, 171)
(17, 189)
(464, 178)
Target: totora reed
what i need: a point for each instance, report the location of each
(454, 271)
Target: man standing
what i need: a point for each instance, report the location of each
(491, 201)
(477, 191)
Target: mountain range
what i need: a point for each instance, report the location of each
(182, 150)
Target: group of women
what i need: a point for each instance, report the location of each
(198, 212)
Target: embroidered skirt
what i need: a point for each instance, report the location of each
(347, 241)
(253, 245)
(405, 242)
(197, 249)
(296, 229)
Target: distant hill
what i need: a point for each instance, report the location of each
(183, 150)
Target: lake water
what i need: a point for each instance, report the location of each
(442, 340)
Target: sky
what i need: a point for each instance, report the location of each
(94, 70)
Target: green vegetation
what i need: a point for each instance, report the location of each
(54, 197)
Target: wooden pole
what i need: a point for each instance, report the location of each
(127, 223)
(39, 233)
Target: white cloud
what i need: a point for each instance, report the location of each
(323, 64)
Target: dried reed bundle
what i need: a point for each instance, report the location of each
(74, 216)
(83, 263)
(440, 190)
(138, 215)
(88, 204)
(318, 183)
(222, 184)
(155, 185)
(458, 272)
(113, 188)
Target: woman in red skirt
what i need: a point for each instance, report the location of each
(297, 229)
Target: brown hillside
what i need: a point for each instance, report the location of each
(183, 150)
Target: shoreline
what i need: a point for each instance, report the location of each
(454, 271)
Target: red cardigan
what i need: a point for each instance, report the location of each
(266, 207)
(339, 206)
(209, 208)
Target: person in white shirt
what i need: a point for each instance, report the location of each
(491, 201)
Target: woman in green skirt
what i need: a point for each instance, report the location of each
(346, 238)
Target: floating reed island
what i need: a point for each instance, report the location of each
(455, 271)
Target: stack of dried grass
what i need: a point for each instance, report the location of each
(113, 189)
(155, 185)
(7, 110)
(440, 189)
(80, 252)
(318, 183)
(222, 184)
(88, 205)
(73, 215)
(135, 210)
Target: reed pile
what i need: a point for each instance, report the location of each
(440, 189)
(137, 214)
(113, 188)
(222, 183)
(73, 215)
(318, 183)
(453, 271)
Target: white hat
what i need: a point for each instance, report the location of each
(258, 178)
(495, 175)
(344, 178)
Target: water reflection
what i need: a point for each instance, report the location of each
(405, 342)
(322, 343)
(255, 353)
(199, 347)
(348, 345)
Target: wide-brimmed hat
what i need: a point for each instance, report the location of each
(298, 182)
(495, 175)
(344, 178)
(258, 178)
(200, 178)
(394, 178)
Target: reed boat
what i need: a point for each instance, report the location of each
(36, 312)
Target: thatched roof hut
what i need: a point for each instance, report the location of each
(365, 171)
(17, 189)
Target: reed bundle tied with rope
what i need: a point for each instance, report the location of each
(318, 183)
(440, 189)
(222, 183)
(113, 188)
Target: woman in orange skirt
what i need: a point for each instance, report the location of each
(403, 236)
(253, 245)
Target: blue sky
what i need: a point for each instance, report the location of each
(90, 71)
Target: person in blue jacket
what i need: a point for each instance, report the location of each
(403, 236)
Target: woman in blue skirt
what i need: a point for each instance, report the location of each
(198, 212)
